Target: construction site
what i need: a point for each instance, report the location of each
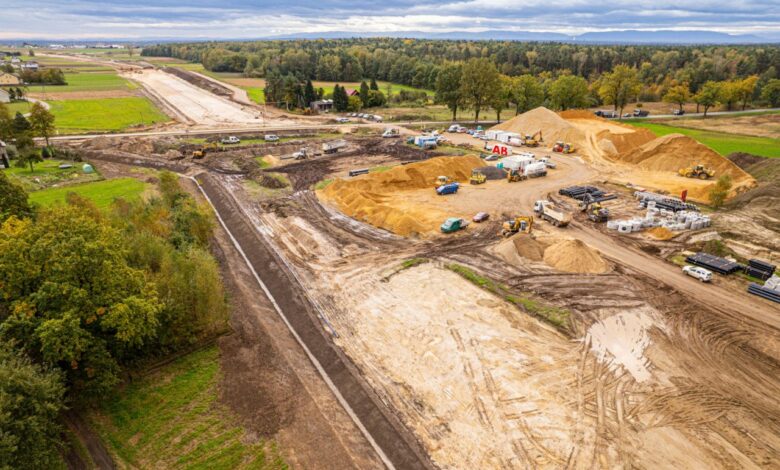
(555, 330)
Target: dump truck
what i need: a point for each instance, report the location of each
(453, 224)
(451, 188)
(521, 224)
(547, 211)
(698, 171)
(333, 147)
(477, 177)
(563, 147)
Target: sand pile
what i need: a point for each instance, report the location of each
(377, 198)
(520, 249)
(674, 151)
(660, 233)
(574, 256)
(579, 114)
(553, 126)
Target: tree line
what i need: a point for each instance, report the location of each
(86, 293)
(292, 93)
(419, 62)
(19, 131)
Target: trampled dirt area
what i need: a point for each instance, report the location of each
(765, 125)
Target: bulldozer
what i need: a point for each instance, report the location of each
(520, 224)
(442, 181)
(563, 147)
(204, 149)
(532, 141)
(698, 171)
(514, 176)
(477, 177)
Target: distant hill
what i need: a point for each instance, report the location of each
(606, 37)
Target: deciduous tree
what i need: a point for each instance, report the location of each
(707, 96)
(569, 91)
(770, 93)
(678, 94)
(478, 83)
(13, 200)
(619, 87)
(41, 122)
(527, 93)
(448, 88)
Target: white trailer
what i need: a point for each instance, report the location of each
(535, 169)
(492, 134)
(506, 137)
(515, 162)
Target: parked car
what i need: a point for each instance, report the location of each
(271, 138)
(492, 157)
(230, 140)
(453, 224)
(678, 112)
(704, 275)
(451, 188)
(481, 217)
(342, 120)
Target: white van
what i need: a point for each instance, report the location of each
(271, 138)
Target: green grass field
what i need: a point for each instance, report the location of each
(102, 193)
(110, 114)
(255, 94)
(18, 107)
(47, 174)
(87, 81)
(721, 142)
(172, 419)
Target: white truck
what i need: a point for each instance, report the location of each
(390, 132)
(230, 140)
(547, 211)
(333, 147)
(535, 170)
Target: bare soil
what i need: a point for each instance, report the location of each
(767, 125)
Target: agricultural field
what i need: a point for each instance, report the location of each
(102, 193)
(107, 115)
(722, 142)
(86, 81)
(171, 418)
(19, 107)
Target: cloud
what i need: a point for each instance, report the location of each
(145, 19)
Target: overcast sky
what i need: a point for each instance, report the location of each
(156, 19)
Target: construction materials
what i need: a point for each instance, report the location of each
(697, 171)
(547, 211)
(362, 171)
(664, 202)
(453, 224)
(451, 188)
(333, 147)
(477, 177)
(770, 290)
(521, 224)
(759, 269)
(714, 263)
(658, 217)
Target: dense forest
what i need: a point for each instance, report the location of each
(418, 62)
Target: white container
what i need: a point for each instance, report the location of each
(612, 224)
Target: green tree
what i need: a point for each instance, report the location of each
(678, 94)
(28, 156)
(374, 85)
(569, 91)
(745, 90)
(478, 83)
(69, 296)
(6, 123)
(503, 93)
(364, 98)
(448, 88)
(376, 98)
(13, 200)
(309, 94)
(354, 103)
(20, 124)
(720, 191)
(707, 96)
(728, 93)
(770, 93)
(527, 93)
(31, 398)
(41, 121)
(619, 87)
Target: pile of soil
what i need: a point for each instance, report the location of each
(371, 198)
(519, 249)
(553, 126)
(579, 114)
(574, 256)
(660, 233)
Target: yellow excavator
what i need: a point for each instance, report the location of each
(204, 149)
(514, 176)
(441, 181)
(477, 177)
(520, 224)
(698, 171)
(532, 141)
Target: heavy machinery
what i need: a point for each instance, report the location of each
(594, 210)
(515, 175)
(563, 147)
(547, 211)
(477, 177)
(204, 149)
(441, 181)
(334, 146)
(521, 224)
(532, 141)
(698, 171)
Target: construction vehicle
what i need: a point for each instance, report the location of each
(441, 181)
(698, 171)
(453, 224)
(547, 211)
(515, 175)
(204, 149)
(563, 147)
(390, 132)
(451, 188)
(301, 154)
(477, 177)
(532, 141)
(520, 224)
(333, 147)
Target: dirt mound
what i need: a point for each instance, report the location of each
(574, 256)
(520, 249)
(660, 233)
(579, 114)
(627, 142)
(674, 151)
(553, 126)
(744, 160)
(374, 198)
